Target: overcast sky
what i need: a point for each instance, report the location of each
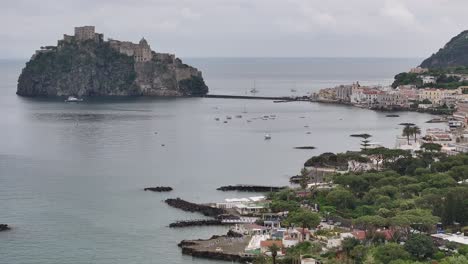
(242, 28)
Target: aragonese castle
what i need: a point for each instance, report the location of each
(141, 52)
(84, 64)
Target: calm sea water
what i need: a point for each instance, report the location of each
(71, 175)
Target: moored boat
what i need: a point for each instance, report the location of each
(72, 99)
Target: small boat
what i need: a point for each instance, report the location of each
(72, 99)
(436, 120)
(238, 116)
(248, 121)
(455, 124)
(254, 90)
(217, 118)
(267, 136)
(228, 117)
(225, 122)
(293, 90)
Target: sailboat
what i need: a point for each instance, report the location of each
(293, 90)
(254, 90)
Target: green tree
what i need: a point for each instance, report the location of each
(455, 260)
(459, 173)
(416, 131)
(348, 244)
(304, 178)
(274, 251)
(407, 132)
(280, 206)
(389, 252)
(304, 219)
(420, 246)
(358, 253)
(419, 219)
(341, 198)
(431, 147)
(463, 250)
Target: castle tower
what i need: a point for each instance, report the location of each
(84, 33)
(143, 51)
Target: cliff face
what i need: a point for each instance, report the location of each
(96, 68)
(453, 54)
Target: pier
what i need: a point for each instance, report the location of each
(278, 99)
(251, 188)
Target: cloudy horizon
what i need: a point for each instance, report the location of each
(243, 28)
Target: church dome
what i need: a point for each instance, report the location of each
(143, 42)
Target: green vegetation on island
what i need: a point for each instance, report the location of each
(447, 68)
(453, 54)
(446, 78)
(397, 205)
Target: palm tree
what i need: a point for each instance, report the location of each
(407, 132)
(274, 251)
(416, 132)
(304, 179)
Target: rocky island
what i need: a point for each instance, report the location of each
(86, 65)
(4, 227)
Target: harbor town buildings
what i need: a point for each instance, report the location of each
(387, 98)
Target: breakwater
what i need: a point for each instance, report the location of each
(159, 189)
(204, 222)
(251, 188)
(193, 207)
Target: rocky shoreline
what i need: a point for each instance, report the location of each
(158, 189)
(4, 227)
(250, 188)
(193, 207)
(224, 247)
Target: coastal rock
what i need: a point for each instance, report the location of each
(305, 147)
(159, 189)
(193, 207)
(4, 227)
(86, 65)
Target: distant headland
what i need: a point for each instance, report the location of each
(86, 65)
